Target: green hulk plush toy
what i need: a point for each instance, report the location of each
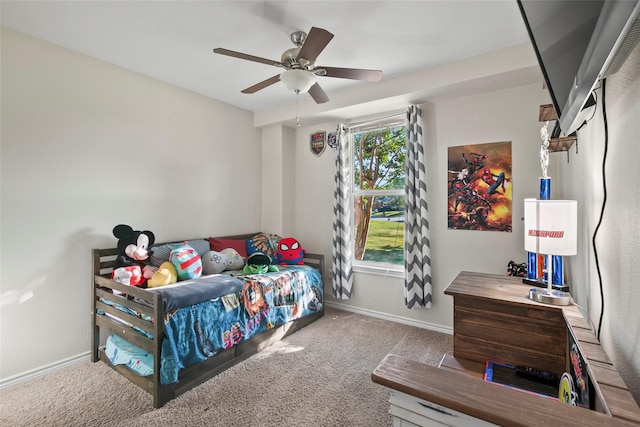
(259, 263)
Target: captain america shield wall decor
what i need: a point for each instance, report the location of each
(318, 142)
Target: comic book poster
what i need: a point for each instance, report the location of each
(480, 187)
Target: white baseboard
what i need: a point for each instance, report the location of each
(43, 370)
(391, 317)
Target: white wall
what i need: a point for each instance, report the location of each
(618, 239)
(278, 178)
(272, 140)
(85, 146)
(506, 115)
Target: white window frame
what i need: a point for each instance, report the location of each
(372, 267)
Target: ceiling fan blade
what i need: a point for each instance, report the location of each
(353, 73)
(318, 94)
(262, 84)
(316, 41)
(241, 55)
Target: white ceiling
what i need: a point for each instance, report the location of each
(173, 40)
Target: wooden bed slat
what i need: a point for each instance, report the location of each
(144, 383)
(126, 317)
(107, 266)
(125, 302)
(133, 291)
(126, 332)
(316, 261)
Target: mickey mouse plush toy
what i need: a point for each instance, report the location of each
(133, 252)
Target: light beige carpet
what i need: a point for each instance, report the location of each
(319, 376)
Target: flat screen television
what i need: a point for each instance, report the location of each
(577, 44)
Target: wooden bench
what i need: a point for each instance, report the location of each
(494, 320)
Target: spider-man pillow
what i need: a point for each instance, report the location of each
(290, 252)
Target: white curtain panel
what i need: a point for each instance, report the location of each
(417, 252)
(342, 268)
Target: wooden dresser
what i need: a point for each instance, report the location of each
(495, 320)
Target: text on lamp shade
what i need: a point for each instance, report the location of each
(545, 233)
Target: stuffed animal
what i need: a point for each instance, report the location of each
(216, 262)
(186, 261)
(130, 266)
(290, 252)
(259, 263)
(166, 275)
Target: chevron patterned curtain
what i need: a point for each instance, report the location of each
(342, 211)
(417, 253)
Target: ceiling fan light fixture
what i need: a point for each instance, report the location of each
(299, 81)
(300, 72)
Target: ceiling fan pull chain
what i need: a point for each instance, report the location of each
(297, 110)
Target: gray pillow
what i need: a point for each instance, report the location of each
(161, 252)
(216, 262)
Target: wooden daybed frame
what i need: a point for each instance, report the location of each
(192, 376)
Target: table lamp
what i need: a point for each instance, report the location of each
(550, 228)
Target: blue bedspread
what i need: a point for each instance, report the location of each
(189, 292)
(197, 332)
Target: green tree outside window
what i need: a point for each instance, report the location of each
(379, 174)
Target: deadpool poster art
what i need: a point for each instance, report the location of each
(480, 187)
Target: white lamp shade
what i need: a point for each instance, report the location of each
(298, 80)
(551, 226)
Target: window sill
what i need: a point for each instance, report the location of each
(379, 271)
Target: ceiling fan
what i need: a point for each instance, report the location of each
(300, 68)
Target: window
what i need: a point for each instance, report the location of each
(379, 151)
